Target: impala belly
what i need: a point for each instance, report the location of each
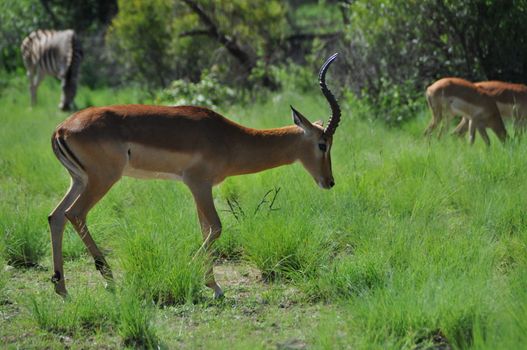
(516, 110)
(464, 108)
(146, 162)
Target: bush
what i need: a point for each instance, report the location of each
(208, 92)
(394, 104)
(139, 37)
(295, 77)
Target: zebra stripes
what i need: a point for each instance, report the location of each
(55, 53)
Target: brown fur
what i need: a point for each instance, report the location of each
(449, 96)
(511, 100)
(99, 145)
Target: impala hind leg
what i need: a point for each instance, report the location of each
(210, 227)
(498, 127)
(57, 223)
(461, 128)
(431, 126)
(95, 189)
(484, 135)
(436, 116)
(520, 122)
(472, 131)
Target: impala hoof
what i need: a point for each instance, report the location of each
(218, 293)
(110, 286)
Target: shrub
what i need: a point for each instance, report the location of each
(394, 104)
(208, 92)
(294, 77)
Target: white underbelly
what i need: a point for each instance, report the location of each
(464, 108)
(508, 110)
(146, 162)
(145, 174)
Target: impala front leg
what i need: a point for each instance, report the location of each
(210, 227)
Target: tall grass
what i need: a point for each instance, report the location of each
(421, 242)
(160, 262)
(24, 239)
(85, 312)
(135, 322)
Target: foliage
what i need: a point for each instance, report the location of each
(143, 29)
(208, 92)
(394, 105)
(295, 77)
(390, 50)
(17, 19)
(87, 16)
(147, 34)
(410, 44)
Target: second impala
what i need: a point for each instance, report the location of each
(454, 96)
(192, 144)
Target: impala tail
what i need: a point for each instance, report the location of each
(66, 156)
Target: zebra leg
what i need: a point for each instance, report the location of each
(64, 105)
(32, 89)
(35, 81)
(69, 86)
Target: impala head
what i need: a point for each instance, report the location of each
(315, 155)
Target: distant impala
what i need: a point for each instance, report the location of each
(511, 100)
(454, 96)
(192, 144)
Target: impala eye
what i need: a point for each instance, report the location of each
(323, 147)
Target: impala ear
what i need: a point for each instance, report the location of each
(301, 121)
(319, 123)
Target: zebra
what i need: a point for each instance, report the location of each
(56, 53)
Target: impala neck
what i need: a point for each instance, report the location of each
(264, 149)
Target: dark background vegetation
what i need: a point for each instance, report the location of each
(390, 49)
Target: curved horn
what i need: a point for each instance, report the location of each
(334, 120)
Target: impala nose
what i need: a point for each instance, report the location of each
(331, 183)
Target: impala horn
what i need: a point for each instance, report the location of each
(334, 120)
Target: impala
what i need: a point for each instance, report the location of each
(454, 96)
(201, 148)
(511, 100)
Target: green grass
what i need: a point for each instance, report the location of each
(421, 242)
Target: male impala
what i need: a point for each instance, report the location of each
(454, 96)
(192, 144)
